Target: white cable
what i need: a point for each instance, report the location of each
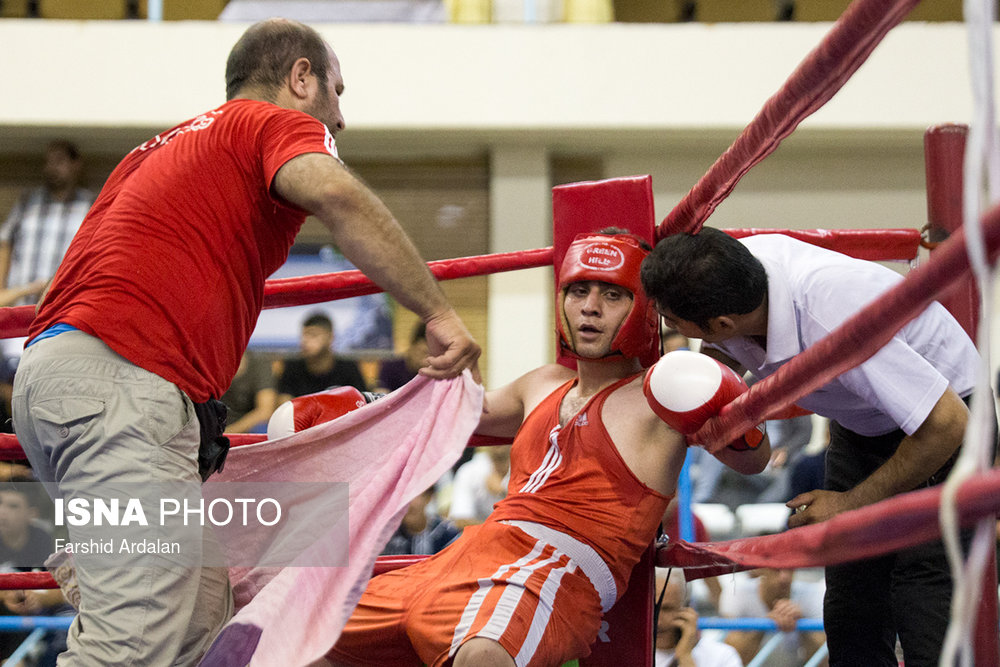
(981, 152)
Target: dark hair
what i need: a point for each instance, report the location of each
(265, 53)
(318, 320)
(700, 276)
(66, 147)
(621, 231)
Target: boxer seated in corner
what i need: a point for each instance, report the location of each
(593, 467)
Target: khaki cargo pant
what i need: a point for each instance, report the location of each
(86, 417)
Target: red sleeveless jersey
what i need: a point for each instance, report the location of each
(573, 479)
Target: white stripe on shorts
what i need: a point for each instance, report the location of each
(512, 594)
(543, 612)
(476, 601)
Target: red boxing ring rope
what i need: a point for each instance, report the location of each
(872, 244)
(895, 523)
(344, 284)
(811, 85)
(875, 245)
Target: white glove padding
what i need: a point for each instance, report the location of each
(686, 388)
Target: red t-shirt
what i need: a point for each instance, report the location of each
(168, 268)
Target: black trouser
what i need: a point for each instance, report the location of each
(908, 592)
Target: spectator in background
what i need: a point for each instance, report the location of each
(780, 595)
(38, 229)
(672, 529)
(394, 373)
(317, 368)
(678, 641)
(672, 339)
(252, 397)
(479, 483)
(24, 546)
(717, 484)
(421, 532)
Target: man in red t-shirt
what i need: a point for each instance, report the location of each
(147, 318)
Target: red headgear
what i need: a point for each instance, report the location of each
(612, 259)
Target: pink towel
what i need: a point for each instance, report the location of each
(388, 452)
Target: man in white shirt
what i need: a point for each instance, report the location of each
(897, 420)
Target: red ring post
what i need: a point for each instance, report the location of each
(944, 149)
(944, 153)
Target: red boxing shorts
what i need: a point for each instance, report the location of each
(495, 581)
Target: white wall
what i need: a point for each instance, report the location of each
(658, 99)
(617, 76)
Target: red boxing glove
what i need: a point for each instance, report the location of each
(686, 388)
(303, 412)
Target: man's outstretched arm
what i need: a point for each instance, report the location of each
(366, 232)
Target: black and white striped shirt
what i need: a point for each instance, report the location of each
(39, 230)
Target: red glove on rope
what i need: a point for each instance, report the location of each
(685, 389)
(300, 413)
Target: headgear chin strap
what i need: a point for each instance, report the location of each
(615, 259)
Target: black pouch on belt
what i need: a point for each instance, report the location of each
(214, 446)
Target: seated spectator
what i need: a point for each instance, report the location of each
(807, 473)
(24, 546)
(252, 396)
(317, 368)
(394, 373)
(421, 532)
(678, 641)
(783, 597)
(479, 483)
(709, 598)
(23, 543)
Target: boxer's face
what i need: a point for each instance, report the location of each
(594, 312)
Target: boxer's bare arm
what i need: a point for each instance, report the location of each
(653, 451)
(749, 461)
(366, 232)
(505, 408)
